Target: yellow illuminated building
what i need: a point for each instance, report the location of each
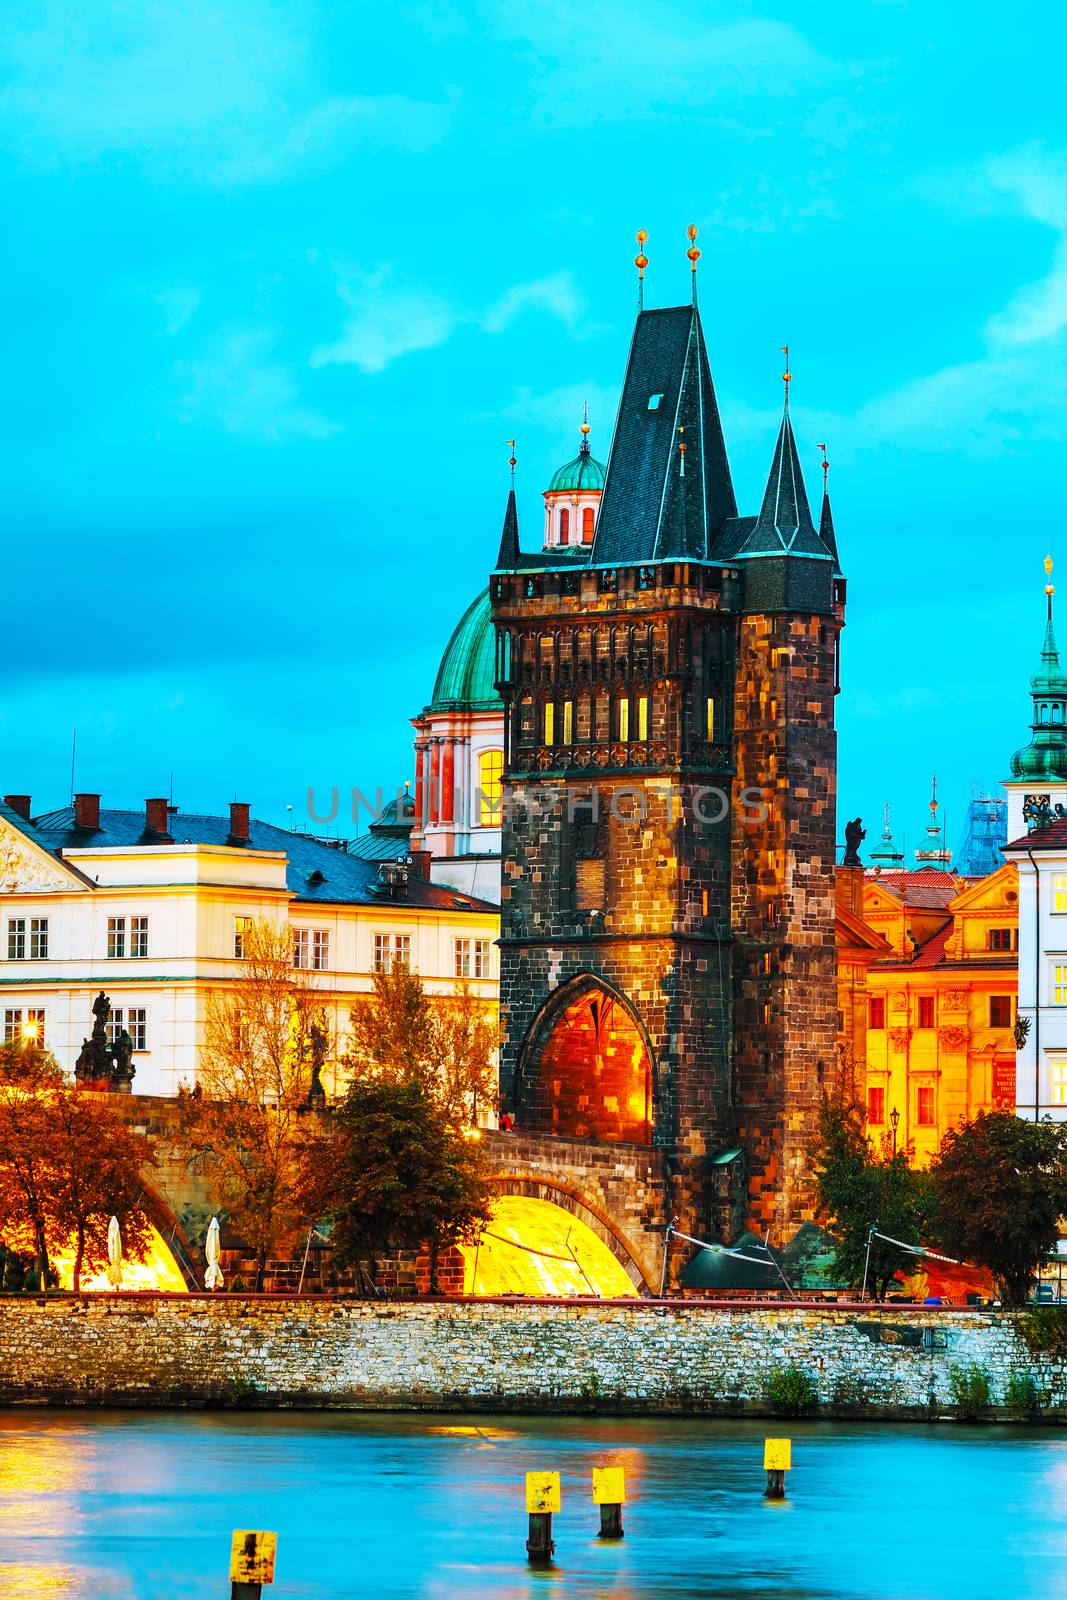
(941, 1006)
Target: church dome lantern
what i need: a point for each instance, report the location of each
(573, 497)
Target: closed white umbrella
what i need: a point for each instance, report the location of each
(114, 1253)
(213, 1275)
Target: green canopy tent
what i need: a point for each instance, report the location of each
(747, 1264)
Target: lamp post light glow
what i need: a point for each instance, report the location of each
(894, 1117)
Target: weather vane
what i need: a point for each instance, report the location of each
(511, 461)
(825, 470)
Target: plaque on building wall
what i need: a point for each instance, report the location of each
(1004, 1083)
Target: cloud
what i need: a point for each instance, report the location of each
(178, 303)
(386, 322)
(648, 59)
(196, 88)
(240, 385)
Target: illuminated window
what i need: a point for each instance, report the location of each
(624, 719)
(709, 723)
(241, 926)
(1057, 1080)
(564, 526)
(568, 722)
(1000, 1011)
(588, 522)
(876, 1011)
(1059, 892)
(926, 1011)
(876, 1105)
(550, 723)
(24, 1027)
(642, 718)
(924, 1106)
(490, 787)
(1059, 986)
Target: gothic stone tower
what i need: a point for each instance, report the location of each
(667, 959)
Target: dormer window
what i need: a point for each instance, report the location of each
(653, 401)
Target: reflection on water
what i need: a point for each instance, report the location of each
(138, 1505)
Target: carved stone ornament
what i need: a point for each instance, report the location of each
(955, 1000)
(952, 1038)
(899, 1001)
(26, 870)
(898, 1038)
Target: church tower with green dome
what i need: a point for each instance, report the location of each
(572, 498)
(1038, 781)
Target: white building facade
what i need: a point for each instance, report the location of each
(150, 907)
(1037, 834)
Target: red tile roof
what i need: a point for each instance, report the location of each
(1054, 837)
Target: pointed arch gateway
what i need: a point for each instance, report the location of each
(586, 1070)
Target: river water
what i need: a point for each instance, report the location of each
(140, 1505)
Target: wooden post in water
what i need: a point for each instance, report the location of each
(542, 1498)
(777, 1459)
(609, 1493)
(251, 1563)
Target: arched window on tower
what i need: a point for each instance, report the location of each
(490, 787)
(564, 525)
(588, 523)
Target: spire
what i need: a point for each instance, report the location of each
(1044, 759)
(509, 536)
(886, 855)
(933, 852)
(784, 523)
(826, 520)
(583, 448)
(641, 262)
(668, 386)
(694, 255)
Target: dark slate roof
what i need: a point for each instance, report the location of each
(650, 510)
(316, 870)
(826, 531)
(784, 523)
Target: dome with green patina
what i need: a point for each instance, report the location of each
(1044, 759)
(583, 475)
(468, 667)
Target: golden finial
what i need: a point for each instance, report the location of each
(694, 255)
(584, 429)
(641, 262)
(787, 376)
(511, 458)
(825, 470)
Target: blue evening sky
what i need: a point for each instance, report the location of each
(279, 280)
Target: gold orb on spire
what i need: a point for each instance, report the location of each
(640, 259)
(1050, 588)
(693, 253)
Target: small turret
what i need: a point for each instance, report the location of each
(933, 854)
(572, 499)
(885, 854)
(1044, 759)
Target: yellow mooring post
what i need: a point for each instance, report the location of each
(777, 1458)
(542, 1498)
(251, 1563)
(609, 1493)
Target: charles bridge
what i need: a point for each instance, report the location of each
(616, 1190)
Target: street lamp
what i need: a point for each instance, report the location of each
(894, 1117)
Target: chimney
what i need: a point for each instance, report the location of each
(19, 803)
(87, 812)
(420, 863)
(156, 819)
(238, 822)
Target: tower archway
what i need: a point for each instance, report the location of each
(586, 1068)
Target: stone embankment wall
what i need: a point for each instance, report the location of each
(638, 1356)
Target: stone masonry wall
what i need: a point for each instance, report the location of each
(646, 1357)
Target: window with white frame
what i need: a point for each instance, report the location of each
(16, 939)
(391, 950)
(241, 925)
(38, 938)
(24, 1026)
(138, 936)
(1057, 1080)
(472, 958)
(320, 949)
(131, 1019)
(116, 938)
(301, 947)
(1059, 984)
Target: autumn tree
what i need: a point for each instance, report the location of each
(68, 1164)
(1001, 1189)
(256, 1070)
(861, 1187)
(395, 1175)
(400, 1034)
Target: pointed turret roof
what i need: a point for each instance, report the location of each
(1044, 759)
(509, 537)
(650, 510)
(827, 536)
(784, 524)
(886, 854)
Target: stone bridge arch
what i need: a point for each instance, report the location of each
(586, 1067)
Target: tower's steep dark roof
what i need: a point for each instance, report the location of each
(784, 524)
(509, 536)
(826, 531)
(650, 510)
